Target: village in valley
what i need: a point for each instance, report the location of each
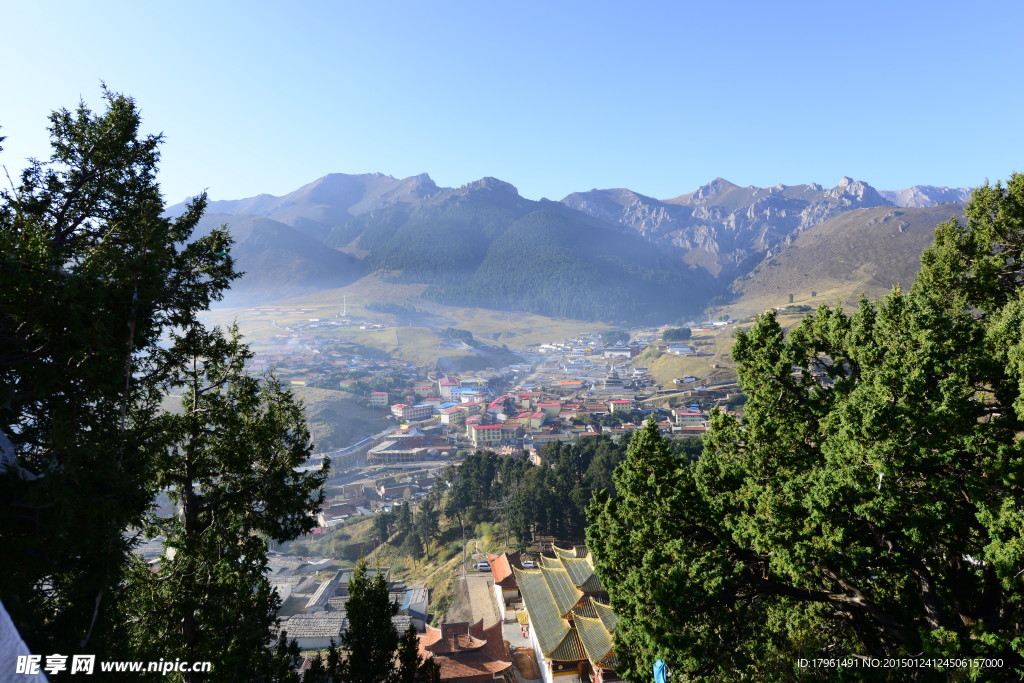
(538, 613)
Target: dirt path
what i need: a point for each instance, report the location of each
(474, 600)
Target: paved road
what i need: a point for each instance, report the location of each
(513, 633)
(481, 597)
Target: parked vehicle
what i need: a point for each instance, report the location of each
(529, 564)
(483, 567)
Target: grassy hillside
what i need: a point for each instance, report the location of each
(865, 251)
(713, 348)
(336, 419)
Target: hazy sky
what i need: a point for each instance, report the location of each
(552, 96)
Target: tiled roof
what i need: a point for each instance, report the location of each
(451, 638)
(468, 666)
(324, 592)
(486, 656)
(581, 571)
(565, 593)
(597, 641)
(318, 625)
(575, 551)
(494, 636)
(605, 614)
(501, 568)
(569, 650)
(557, 640)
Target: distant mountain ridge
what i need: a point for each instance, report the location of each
(611, 254)
(724, 227)
(921, 196)
(861, 252)
(276, 258)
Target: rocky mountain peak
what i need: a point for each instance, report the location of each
(927, 195)
(421, 185)
(856, 193)
(711, 190)
(491, 185)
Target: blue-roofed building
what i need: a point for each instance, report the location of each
(414, 605)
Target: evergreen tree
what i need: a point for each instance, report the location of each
(371, 639)
(382, 523)
(677, 334)
(229, 462)
(412, 545)
(411, 667)
(641, 556)
(284, 664)
(403, 519)
(867, 504)
(427, 520)
(92, 275)
(324, 669)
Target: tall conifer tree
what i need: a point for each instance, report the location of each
(229, 463)
(868, 502)
(371, 639)
(92, 274)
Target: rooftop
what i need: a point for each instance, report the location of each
(324, 592)
(318, 625)
(502, 568)
(464, 651)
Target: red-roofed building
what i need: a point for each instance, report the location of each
(689, 418)
(417, 412)
(506, 590)
(665, 427)
(691, 430)
(465, 653)
(485, 435)
(620, 405)
(511, 430)
(473, 407)
(379, 399)
(445, 386)
(425, 389)
(527, 400)
(531, 420)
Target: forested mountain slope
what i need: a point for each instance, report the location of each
(603, 254)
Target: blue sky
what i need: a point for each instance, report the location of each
(553, 97)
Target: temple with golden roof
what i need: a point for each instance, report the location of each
(571, 624)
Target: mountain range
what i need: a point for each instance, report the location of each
(610, 254)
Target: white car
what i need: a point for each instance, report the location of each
(529, 564)
(483, 567)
